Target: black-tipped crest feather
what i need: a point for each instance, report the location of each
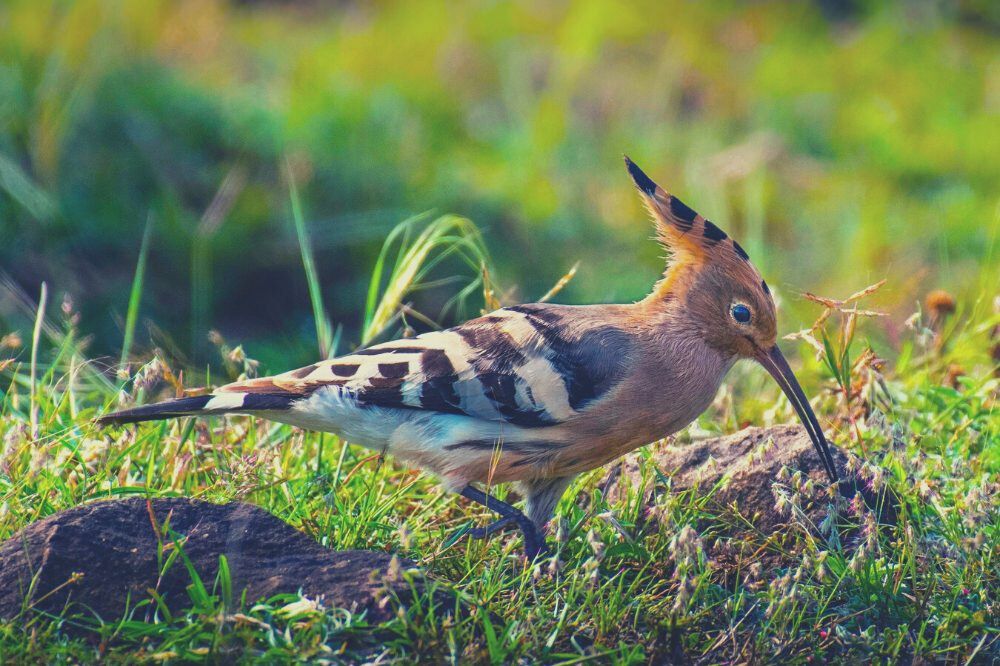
(641, 180)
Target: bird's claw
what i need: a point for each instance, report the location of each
(535, 546)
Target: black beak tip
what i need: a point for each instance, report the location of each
(775, 363)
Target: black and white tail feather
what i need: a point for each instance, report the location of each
(202, 405)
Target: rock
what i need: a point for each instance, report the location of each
(97, 556)
(752, 458)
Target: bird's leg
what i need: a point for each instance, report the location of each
(542, 495)
(534, 542)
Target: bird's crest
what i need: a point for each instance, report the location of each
(692, 240)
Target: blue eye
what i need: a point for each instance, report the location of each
(741, 313)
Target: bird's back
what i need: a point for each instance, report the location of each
(535, 366)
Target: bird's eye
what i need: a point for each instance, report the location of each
(740, 313)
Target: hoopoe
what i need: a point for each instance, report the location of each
(535, 394)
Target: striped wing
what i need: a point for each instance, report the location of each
(531, 365)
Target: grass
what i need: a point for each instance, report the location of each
(135, 297)
(435, 241)
(850, 146)
(856, 139)
(621, 589)
(324, 329)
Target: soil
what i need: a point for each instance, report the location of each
(99, 558)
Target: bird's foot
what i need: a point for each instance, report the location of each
(500, 525)
(534, 539)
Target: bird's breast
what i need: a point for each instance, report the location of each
(658, 399)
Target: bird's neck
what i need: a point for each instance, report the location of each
(672, 288)
(678, 377)
(667, 302)
(679, 351)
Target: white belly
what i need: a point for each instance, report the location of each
(430, 440)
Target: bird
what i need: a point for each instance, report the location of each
(536, 394)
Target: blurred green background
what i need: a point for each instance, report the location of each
(840, 142)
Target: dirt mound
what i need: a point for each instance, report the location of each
(95, 558)
(745, 466)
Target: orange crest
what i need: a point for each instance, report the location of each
(692, 238)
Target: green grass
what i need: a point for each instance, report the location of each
(275, 147)
(324, 329)
(621, 588)
(135, 297)
(851, 139)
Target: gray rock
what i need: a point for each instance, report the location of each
(94, 558)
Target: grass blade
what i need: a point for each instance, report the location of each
(26, 306)
(225, 580)
(442, 237)
(135, 297)
(36, 335)
(15, 182)
(324, 330)
(375, 284)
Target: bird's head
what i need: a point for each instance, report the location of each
(722, 295)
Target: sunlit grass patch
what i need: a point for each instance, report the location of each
(631, 580)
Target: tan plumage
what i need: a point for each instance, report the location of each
(538, 393)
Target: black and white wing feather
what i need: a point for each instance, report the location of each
(530, 365)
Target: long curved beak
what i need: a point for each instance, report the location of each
(776, 364)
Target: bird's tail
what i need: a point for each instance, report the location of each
(202, 405)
